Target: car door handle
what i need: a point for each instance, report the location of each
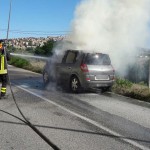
(69, 67)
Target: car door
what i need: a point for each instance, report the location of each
(67, 66)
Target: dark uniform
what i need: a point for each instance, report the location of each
(3, 69)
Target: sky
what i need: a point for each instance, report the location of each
(36, 18)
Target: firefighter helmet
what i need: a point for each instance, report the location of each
(1, 43)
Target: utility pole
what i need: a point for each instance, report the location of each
(9, 21)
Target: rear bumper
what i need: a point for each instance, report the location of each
(98, 84)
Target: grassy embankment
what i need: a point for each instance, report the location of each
(33, 65)
(129, 89)
(121, 86)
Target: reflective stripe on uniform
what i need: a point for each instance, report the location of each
(3, 69)
(2, 62)
(3, 90)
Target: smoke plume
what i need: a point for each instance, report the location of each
(116, 27)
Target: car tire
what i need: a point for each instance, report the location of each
(75, 85)
(45, 77)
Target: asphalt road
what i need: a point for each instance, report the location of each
(86, 121)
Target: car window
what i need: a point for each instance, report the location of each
(97, 59)
(70, 57)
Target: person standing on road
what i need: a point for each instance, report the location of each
(3, 69)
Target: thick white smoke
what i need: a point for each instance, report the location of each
(116, 27)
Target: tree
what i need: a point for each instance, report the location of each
(39, 51)
(11, 48)
(46, 49)
(30, 49)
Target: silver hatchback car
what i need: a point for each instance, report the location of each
(81, 70)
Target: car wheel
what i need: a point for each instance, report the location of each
(45, 77)
(75, 84)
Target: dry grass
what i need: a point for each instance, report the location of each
(36, 65)
(39, 64)
(136, 91)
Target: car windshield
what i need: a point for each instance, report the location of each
(97, 59)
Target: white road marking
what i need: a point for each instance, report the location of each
(87, 120)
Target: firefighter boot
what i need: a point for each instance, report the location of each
(3, 96)
(3, 93)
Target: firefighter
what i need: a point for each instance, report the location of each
(3, 69)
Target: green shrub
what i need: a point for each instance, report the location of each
(19, 62)
(123, 82)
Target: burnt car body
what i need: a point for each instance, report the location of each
(81, 70)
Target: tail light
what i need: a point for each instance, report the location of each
(88, 79)
(84, 68)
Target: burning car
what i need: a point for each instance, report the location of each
(81, 70)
